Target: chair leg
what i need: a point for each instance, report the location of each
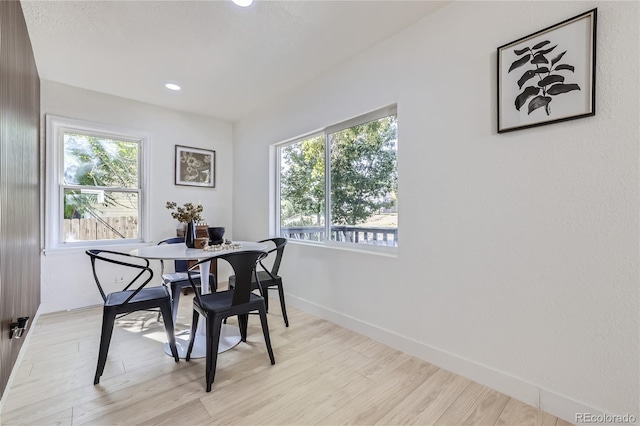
(194, 329)
(213, 339)
(264, 292)
(243, 321)
(108, 320)
(168, 326)
(265, 331)
(282, 304)
(175, 301)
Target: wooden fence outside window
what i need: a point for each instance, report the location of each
(106, 228)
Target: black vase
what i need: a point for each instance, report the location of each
(190, 235)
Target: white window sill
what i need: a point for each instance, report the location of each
(352, 247)
(75, 249)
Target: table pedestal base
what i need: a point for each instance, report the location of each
(229, 337)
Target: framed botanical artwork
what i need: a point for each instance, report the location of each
(195, 167)
(548, 76)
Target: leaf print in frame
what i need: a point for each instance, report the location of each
(548, 76)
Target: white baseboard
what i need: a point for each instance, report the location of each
(23, 350)
(514, 387)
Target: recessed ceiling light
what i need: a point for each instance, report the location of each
(243, 3)
(172, 86)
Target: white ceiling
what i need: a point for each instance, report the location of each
(228, 60)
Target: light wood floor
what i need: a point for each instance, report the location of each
(324, 374)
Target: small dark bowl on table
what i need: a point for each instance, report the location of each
(216, 234)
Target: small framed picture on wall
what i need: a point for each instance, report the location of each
(195, 167)
(548, 76)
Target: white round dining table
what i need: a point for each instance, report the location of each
(230, 334)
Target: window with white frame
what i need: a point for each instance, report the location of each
(96, 184)
(341, 184)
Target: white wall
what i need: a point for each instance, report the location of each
(518, 257)
(67, 282)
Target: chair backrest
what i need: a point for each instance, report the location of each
(179, 265)
(244, 266)
(137, 283)
(279, 249)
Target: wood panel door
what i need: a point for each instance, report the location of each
(19, 181)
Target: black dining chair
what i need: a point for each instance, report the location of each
(269, 278)
(178, 280)
(135, 296)
(216, 307)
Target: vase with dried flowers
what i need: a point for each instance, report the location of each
(189, 214)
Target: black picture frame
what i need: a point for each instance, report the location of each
(195, 167)
(548, 76)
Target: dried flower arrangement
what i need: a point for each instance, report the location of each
(186, 214)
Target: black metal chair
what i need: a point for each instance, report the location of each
(269, 279)
(178, 280)
(216, 307)
(133, 297)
